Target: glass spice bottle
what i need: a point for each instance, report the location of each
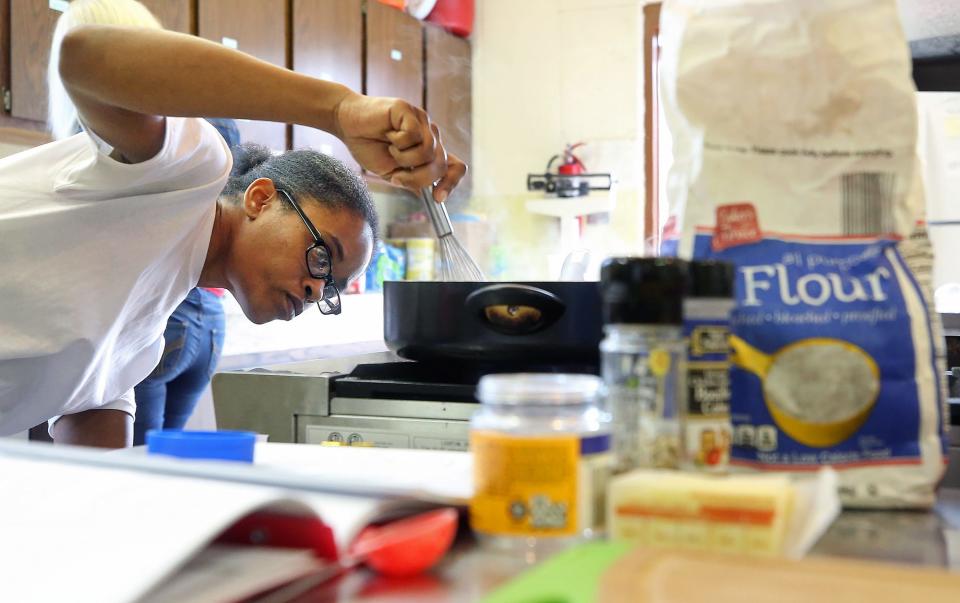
(643, 358)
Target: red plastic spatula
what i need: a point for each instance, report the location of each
(405, 547)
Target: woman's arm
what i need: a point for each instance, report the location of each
(124, 81)
(100, 427)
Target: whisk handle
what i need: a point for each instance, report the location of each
(437, 212)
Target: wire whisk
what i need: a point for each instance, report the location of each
(455, 263)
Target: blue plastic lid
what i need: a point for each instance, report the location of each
(220, 445)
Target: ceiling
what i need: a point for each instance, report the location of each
(930, 18)
(932, 27)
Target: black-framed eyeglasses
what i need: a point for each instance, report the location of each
(319, 262)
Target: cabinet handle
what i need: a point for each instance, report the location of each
(229, 42)
(59, 5)
(396, 55)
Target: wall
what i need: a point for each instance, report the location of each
(545, 73)
(929, 18)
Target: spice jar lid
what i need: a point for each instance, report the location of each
(711, 278)
(643, 290)
(539, 388)
(221, 445)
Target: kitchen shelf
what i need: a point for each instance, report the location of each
(574, 206)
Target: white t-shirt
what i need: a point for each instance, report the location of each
(96, 255)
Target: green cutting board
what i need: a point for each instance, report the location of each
(569, 577)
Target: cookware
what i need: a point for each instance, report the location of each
(524, 323)
(455, 263)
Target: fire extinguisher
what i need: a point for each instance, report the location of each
(570, 167)
(571, 178)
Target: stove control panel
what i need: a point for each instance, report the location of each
(386, 433)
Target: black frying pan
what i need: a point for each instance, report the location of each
(528, 323)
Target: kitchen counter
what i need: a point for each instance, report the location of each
(469, 573)
(357, 330)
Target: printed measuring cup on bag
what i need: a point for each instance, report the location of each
(819, 390)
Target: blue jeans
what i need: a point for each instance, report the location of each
(193, 341)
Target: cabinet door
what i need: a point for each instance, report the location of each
(394, 54)
(448, 92)
(328, 44)
(31, 31)
(29, 36)
(15, 131)
(258, 28)
(175, 15)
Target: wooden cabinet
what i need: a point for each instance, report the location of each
(31, 31)
(175, 15)
(363, 44)
(449, 94)
(256, 27)
(328, 44)
(394, 54)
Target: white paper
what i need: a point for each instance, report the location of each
(437, 475)
(939, 148)
(816, 505)
(75, 533)
(105, 528)
(434, 474)
(225, 574)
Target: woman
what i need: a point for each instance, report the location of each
(104, 233)
(195, 331)
(193, 341)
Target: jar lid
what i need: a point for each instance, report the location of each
(539, 388)
(643, 290)
(219, 445)
(711, 278)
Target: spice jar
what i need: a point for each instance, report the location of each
(643, 358)
(541, 453)
(705, 418)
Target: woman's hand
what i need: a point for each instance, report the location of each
(395, 140)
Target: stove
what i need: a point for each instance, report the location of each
(369, 400)
(383, 400)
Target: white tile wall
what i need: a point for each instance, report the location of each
(547, 73)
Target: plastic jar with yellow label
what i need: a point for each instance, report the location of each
(643, 358)
(421, 257)
(541, 450)
(705, 419)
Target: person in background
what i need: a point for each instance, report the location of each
(195, 331)
(104, 233)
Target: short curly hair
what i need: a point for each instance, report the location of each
(305, 174)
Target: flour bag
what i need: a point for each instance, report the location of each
(794, 129)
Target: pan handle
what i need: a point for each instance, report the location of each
(514, 309)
